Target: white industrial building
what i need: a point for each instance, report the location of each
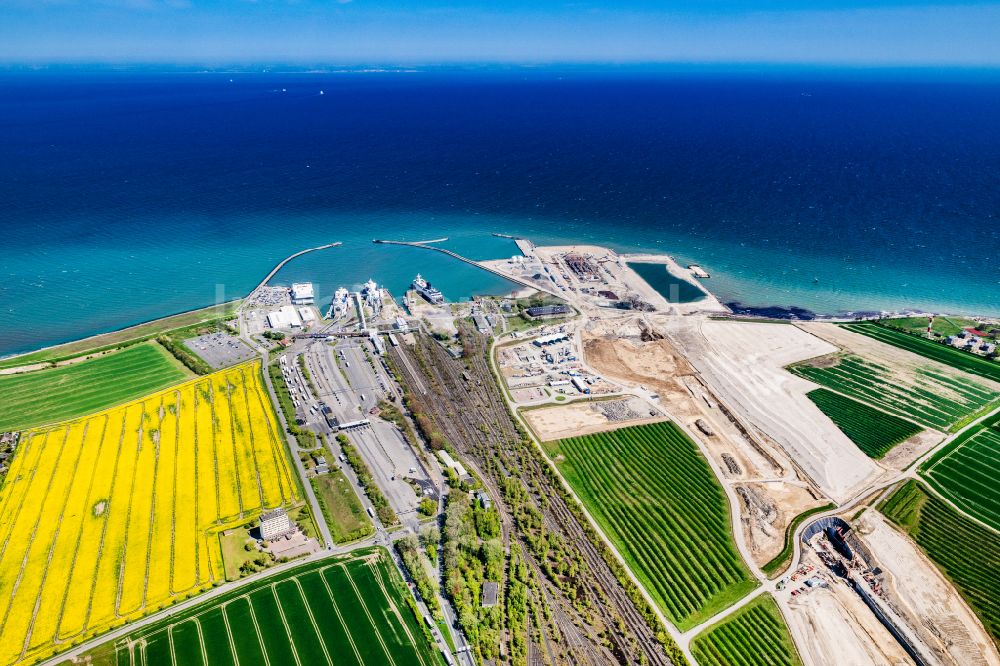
(451, 463)
(376, 341)
(285, 317)
(550, 339)
(401, 325)
(373, 296)
(306, 315)
(302, 293)
(340, 302)
(274, 524)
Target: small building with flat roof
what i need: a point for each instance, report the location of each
(491, 591)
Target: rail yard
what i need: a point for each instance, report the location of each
(602, 467)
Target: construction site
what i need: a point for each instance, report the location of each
(864, 594)
(598, 348)
(600, 278)
(727, 382)
(547, 363)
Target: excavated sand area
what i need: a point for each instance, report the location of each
(766, 509)
(925, 598)
(833, 626)
(744, 363)
(586, 417)
(657, 366)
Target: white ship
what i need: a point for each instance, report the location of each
(424, 288)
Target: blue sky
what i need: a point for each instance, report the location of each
(850, 32)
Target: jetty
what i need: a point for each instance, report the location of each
(455, 255)
(417, 243)
(281, 264)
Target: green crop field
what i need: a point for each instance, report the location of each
(335, 612)
(918, 325)
(929, 397)
(755, 635)
(967, 471)
(56, 394)
(965, 551)
(937, 351)
(874, 431)
(341, 507)
(656, 497)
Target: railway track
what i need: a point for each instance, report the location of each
(465, 404)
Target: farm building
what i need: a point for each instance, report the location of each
(274, 524)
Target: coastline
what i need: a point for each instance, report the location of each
(738, 310)
(53, 350)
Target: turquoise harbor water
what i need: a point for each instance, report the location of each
(127, 197)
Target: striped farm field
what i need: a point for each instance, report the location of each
(755, 635)
(967, 471)
(928, 395)
(657, 499)
(874, 431)
(110, 517)
(56, 394)
(937, 351)
(338, 612)
(966, 552)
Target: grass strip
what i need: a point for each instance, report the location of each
(782, 559)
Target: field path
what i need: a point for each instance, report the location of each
(253, 441)
(31, 538)
(104, 528)
(52, 544)
(284, 623)
(340, 616)
(364, 605)
(128, 514)
(80, 532)
(152, 504)
(229, 635)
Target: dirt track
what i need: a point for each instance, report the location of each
(930, 604)
(744, 362)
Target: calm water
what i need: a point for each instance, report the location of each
(126, 197)
(675, 290)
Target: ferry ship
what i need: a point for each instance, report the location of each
(424, 288)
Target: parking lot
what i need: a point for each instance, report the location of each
(351, 387)
(219, 350)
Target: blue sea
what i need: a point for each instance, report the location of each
(128, 195)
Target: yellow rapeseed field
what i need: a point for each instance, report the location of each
(115, 515)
